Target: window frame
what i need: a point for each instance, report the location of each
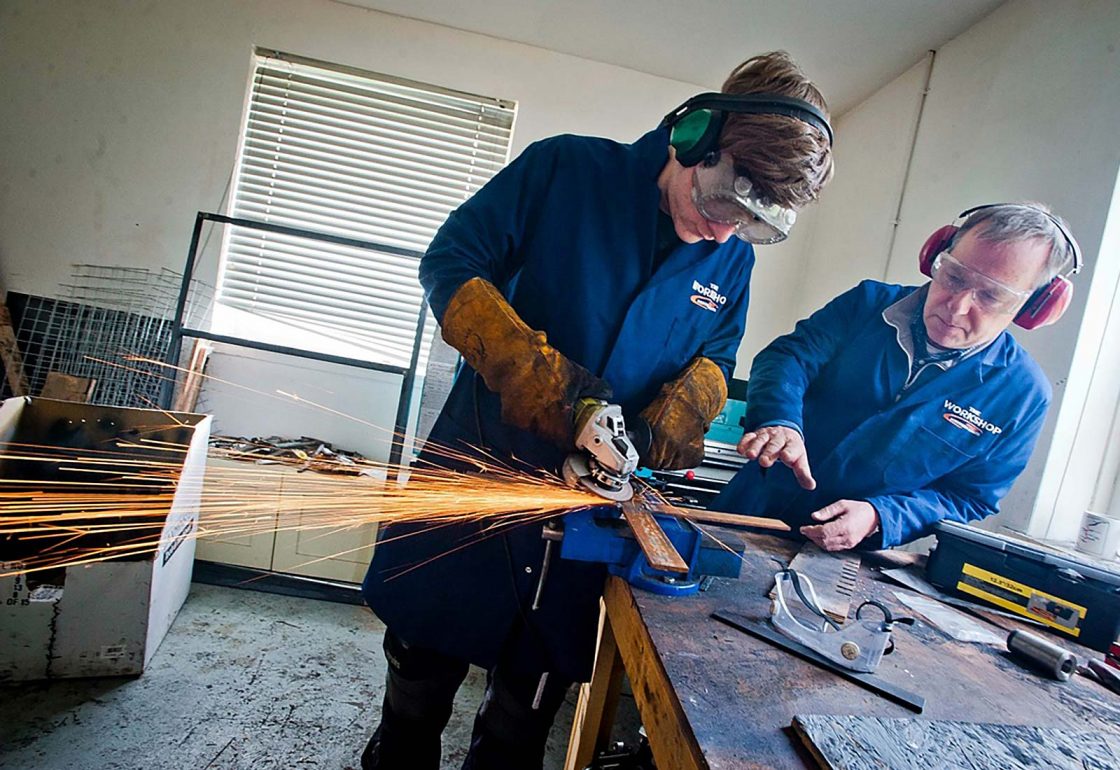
(396, 336)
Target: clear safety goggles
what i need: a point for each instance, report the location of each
(990, 295)
(721, 195)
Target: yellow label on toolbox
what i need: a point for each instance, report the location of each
(1051, 610)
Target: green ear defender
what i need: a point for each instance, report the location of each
(695, 135)
(695, 126)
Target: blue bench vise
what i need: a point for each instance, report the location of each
(601, 534)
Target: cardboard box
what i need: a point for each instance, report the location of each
(105, 618)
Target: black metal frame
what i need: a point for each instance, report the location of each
(178, 331)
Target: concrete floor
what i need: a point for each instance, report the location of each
(243, 680)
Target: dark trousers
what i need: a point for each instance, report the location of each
(509, 733)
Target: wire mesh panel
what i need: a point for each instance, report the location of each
(105, 319)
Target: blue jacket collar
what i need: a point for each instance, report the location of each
(897, 315)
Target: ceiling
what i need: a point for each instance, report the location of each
(849, 47)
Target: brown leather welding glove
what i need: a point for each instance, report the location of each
(680, 415)
(537, 385)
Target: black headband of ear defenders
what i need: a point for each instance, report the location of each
(757, 104)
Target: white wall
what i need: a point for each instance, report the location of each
(121, 118)
(1024, 105)
(775, 286)
(854, 225)
(120, 121)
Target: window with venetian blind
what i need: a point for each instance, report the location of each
(362, 155)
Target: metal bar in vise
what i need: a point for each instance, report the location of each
(718, 517)
(763, 631)
(656, 546)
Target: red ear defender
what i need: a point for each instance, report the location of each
(934, 245)
(1047, 304)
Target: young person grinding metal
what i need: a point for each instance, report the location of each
(914, 404)
(584, 268)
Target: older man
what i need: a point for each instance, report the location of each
(894, 407)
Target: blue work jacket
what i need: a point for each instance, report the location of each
(949, 447)
(567, 232)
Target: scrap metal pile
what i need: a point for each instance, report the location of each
(305, 452)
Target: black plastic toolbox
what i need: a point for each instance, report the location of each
(1077, 597)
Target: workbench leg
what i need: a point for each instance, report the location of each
(598, 702)
(671, 738)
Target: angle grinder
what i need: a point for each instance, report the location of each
(608, 456)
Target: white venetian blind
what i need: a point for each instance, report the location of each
(360, 155)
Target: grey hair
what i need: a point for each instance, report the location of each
(1012, 222)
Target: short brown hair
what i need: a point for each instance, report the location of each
(787, 160)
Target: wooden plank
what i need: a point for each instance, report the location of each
(877, 743)
(598, 702)
(10, 355)
(66, 387)
(833, 574)
(655, 544)
(671, 738)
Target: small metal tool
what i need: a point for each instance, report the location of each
(1104, 673)
(858, 646)
(1044, 656)
(551, 534)
(767, 633)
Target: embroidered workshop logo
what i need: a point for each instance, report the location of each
(969, 419)
(707, 297)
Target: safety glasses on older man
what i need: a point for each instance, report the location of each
(990, 295)
(725, 196)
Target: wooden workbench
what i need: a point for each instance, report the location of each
(713, 697)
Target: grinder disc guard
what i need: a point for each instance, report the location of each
(581, 470)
